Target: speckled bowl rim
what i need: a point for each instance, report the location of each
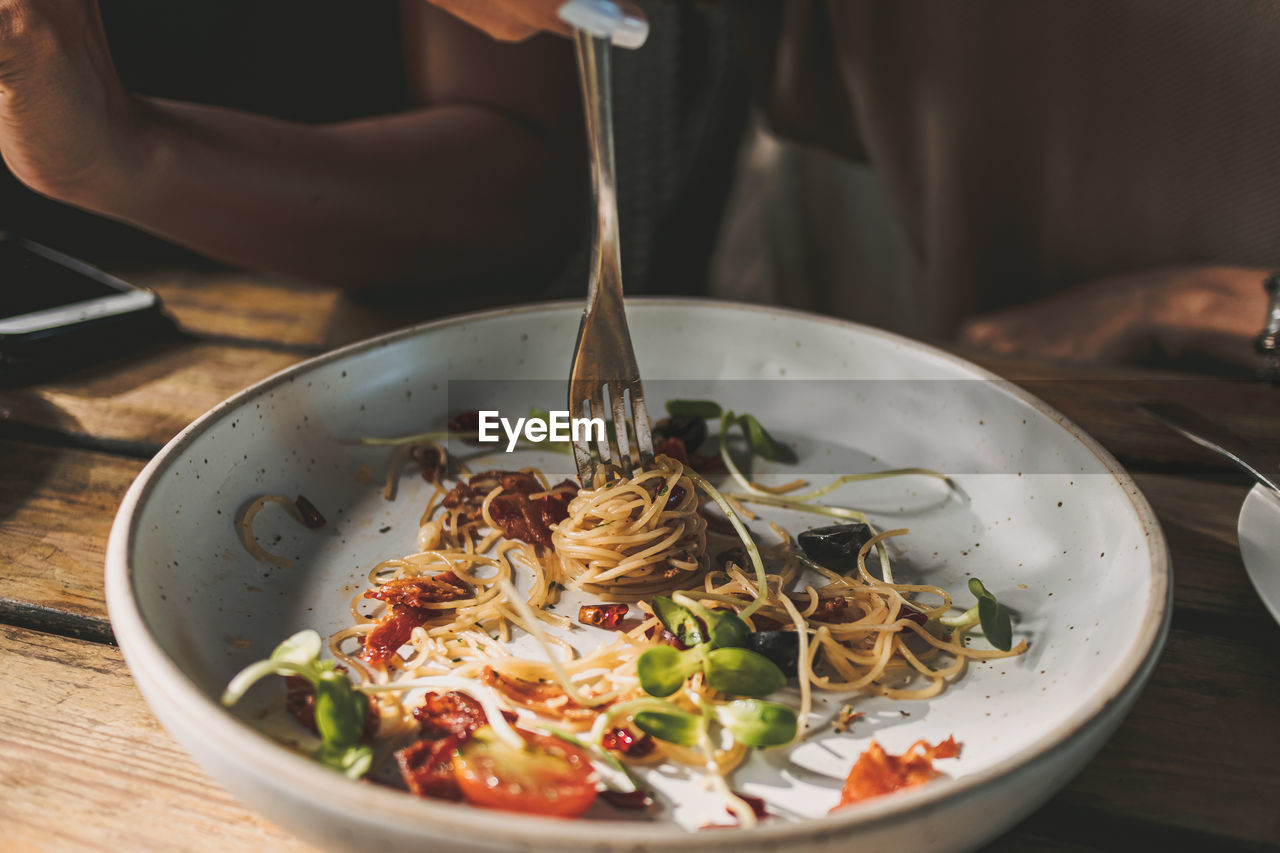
(265, 758)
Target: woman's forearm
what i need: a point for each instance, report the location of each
(442, 193)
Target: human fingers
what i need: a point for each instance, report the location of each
(515, 20)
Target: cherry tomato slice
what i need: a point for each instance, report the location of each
(548, 777)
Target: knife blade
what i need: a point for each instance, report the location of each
(1262, 465)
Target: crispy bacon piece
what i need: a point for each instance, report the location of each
(608, 616)
(625, 741)
(415, 592)
(542, 697)
(392, 633)
(427, 767)
(311, 516)
(300, 701)
(673, 447)
(876, 772)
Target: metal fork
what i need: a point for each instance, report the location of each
(604, 373)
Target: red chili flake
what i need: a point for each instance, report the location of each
(311, 516)
(608, 616)
(673, 447)
(832, 610)
(624, 741)
(756, 803)
(637, 799)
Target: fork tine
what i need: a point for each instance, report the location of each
(618, 398)
(609, 453)
(582, 457)
(640, 422)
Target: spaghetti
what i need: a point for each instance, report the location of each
(445, 614)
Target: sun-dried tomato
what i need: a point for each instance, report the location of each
(466, 425)
(311, 516)
(416, 592)
(427, 767)
(607, 616)
(637, 799)
(673, 447)
(756, 803)
(392, 632)
(430, 460)
(876, 772)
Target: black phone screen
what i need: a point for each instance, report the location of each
(30, 282)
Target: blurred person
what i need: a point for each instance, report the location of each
(1094, 180)
(363, 145)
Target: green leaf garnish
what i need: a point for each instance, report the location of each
(756, 723)
(762, 444)
(705, 409)
(663, 669)
(996, 622)
(340, 709)
(671, 726)
(679, 620)
(742, 672)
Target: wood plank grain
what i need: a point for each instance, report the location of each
(145, 400)
(84, 765)
(56, 508)
(268, 309)
(1101, 399)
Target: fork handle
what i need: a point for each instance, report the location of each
(605, 280)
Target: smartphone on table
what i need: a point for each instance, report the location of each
(56, 311)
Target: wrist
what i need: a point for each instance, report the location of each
(126, 168)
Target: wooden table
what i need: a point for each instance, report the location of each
(84, 765)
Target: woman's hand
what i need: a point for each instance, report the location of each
(68, 129)
(1175, 313)
(516, 20)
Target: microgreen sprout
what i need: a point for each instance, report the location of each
(339, 708)
(997, 625)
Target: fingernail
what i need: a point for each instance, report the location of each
(632, 30)
(601, 18)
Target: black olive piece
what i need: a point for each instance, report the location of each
(691, 430)
(835, 547)
(781, 647)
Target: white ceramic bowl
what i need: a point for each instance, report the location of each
(1042, 514)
